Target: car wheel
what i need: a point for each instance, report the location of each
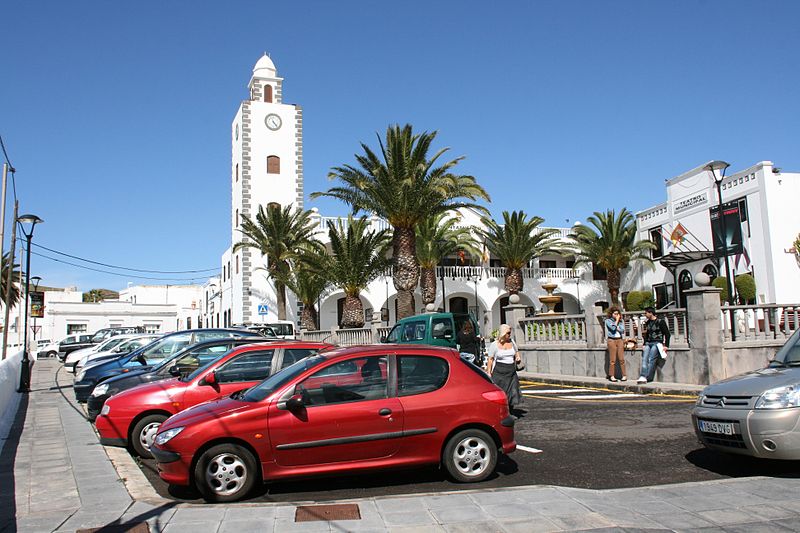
(143, 434)
(225, 473)
(470, 456)
(52, 354)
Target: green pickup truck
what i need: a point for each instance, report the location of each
(436, 329)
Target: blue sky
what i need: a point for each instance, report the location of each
(116, 115)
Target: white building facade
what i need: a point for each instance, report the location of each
(762, 220)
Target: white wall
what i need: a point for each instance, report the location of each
(9, 397)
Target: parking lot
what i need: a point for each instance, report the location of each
(567, 436)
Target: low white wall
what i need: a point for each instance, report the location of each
(9, 397)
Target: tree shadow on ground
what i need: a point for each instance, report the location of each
(732, 465)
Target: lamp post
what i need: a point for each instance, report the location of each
(476, 279)
(25, 370)
(35, 280)
(717, 169)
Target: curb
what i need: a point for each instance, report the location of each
(679, 389)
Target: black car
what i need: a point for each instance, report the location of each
(147, 357)
(70, 344)
(183, 362)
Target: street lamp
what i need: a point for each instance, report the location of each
(717, 169)
(25, 370)
(35, 280)
(476, 279)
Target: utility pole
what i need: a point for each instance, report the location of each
(3, 208)
(9, 278)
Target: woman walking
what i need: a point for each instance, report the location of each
(503, 356)
(468, 342)
(615, 330)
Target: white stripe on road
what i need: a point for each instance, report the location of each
(529, 450)
(600, 396)
(551, 391)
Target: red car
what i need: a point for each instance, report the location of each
(352, 409)
(134, 416)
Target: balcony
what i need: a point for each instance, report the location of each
(500, 272)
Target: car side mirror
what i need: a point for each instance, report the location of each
(210, 379)
(295, 403)
(174, 371)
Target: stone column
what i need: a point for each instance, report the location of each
(514, 313)
(705, 335)
(595, 336)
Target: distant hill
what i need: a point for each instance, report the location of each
(98, 295)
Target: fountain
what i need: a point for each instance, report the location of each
(550, 300)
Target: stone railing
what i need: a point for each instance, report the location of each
(676, 319)
(473, 272)
(557, 329)
(769, 322)
(375, 224)
(346, 337)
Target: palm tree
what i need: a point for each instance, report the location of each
(358, 257)
(94, 295)
(611, 245)
(516, 242)
(13, 295)
(308, 282)
(405, 186)
(281, 234)
(438, 237)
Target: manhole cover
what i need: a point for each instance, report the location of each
(344, 511)
(141, 527)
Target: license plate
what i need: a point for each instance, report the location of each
(720, 428)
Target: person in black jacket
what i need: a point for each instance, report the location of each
(468, 341)
(655, 333)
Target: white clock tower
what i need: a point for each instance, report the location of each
(267, 167)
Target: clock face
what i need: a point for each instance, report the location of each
(273, 122)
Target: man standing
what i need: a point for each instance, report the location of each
(655, 333)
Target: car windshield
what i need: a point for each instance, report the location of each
(108, 344)
(132, 344)
(789, 354)
(197, 361)
(282, 329)
(279, 379)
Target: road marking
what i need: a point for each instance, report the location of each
(527, 449)
(601, 396)
(551, 391)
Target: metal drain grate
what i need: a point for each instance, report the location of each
(343, 511)
(141, 527)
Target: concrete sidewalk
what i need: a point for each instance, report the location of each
(654, 387)
(62, 480)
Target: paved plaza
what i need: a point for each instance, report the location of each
(60, 479)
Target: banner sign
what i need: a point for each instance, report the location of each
(731, 243)
(37, 304)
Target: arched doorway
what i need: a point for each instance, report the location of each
(458, 305)
(684, 284)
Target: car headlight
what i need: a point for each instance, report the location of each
(165, 436)
(100, 389)
(80, 375)
(779, 398)
(105, 409)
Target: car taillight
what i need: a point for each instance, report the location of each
(496, 396)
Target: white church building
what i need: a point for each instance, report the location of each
(267, 167)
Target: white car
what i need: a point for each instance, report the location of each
(73, 357)
(130, 343)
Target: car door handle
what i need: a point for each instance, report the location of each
(385, 411)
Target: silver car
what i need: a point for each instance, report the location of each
(757, 413)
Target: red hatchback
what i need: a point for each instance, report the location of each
(351, 409)
(134, 416)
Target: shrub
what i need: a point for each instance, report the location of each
(639, 300)
(745, 288)
(721, 282)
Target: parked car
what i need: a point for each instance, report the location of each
(181, 363)
(105, 333)
(71, 361)
(434, 329)
(146, 358)
(46, 348)
(72, 343)
(128, 344)
(757, 413)
(134, 416)
(353, 409)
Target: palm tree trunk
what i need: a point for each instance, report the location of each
(613, 282)
(280, 290)
(308, 318)
(353, 312)
(427, 282)
(406, 269)
(513, 280)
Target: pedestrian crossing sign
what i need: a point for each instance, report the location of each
(263, 309)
